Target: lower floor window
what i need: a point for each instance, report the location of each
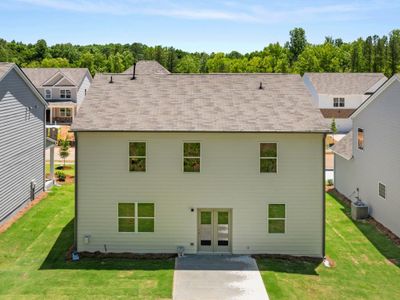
(136, 217)
(276, 218)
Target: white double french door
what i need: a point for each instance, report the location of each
(214, 230)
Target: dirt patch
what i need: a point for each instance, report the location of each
(149, 256)
(18, 215)
(381, 228)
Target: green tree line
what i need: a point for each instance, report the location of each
(372, 54)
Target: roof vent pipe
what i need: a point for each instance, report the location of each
(134, 72)
(111, 80)
(261, 86)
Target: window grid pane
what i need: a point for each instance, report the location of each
(276, 218)
(137, 156)
(191, 157)
(382, 190)
(360, 138)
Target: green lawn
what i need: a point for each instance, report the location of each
(32, 261)
(363, 268)
(69, 171)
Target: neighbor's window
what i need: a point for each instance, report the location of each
(47, 94)
(338, 102)
(65, 94)
(135, 217)
(360, 139)
(191, 157)
(382, 190)
(276, 218)
(268, 157)
(145, 217)
(137, 156)
(65, 112)
(126, 217)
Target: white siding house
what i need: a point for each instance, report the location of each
(368, 158)
(22, 141)
(338, 95)
(213, 163)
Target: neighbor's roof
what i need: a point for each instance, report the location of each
(200, 102)
(147, 67)
(344, 147)
(40, 76)
(4, 68)
(335, 113)
(345, 83)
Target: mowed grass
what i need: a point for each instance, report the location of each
(33, 266)
(367, 264)
(70, 169)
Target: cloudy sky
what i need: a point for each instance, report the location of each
(202, 25)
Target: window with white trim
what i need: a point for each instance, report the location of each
(268, 157)
(338, 102)
(136, 217)
(191, 157)
(65, 94)
(65, 112)
(47, 94)
(276, 218)
(137, 157)
(382, 190)
(360, 138)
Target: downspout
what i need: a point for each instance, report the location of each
(323, 195)
(76, 194)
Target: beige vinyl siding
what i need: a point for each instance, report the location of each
(229, 178)
(81, 91)
(379, 161)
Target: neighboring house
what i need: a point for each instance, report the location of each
(338, 95)
(22, 140)
(63, 88)
(223, 163)
(368, 159)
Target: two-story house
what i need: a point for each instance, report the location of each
(22, 141)
(367, 160)
(338, 95)
(214, 163)
(64, 90)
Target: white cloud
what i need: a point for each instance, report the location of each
(231, 10)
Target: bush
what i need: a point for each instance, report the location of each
(329, 182)
(60, 175)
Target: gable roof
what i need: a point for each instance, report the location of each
(147, 67)
(345, 83)
(201, 103)
(5, 68)
(344, 147)
(394, 78)
(50, 76)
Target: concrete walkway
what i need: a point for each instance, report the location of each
(217, 277)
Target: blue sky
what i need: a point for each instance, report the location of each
(200, 25)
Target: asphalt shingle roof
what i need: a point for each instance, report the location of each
(4, 68)
(344, 83)
(344, 147)
(147, 67)
(199, 102)
(39, 76)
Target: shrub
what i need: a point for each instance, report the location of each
(330, 182)
(60, 175)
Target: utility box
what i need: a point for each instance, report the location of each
(359, 210)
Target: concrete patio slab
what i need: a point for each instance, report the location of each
(217, 277)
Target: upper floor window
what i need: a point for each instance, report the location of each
(47, 94)
(360, 139)
(338, 102)
(191, 157)
(137, 156)
(65, 94)
(268, 157)
(65, 112)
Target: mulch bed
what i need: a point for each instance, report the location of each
(381, 228)
(64, 168)
(18, 215)
(288, 257)
(124, 255)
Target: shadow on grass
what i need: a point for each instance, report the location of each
(381, 242)
(56, 258)
(293, 266)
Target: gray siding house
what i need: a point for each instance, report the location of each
(22, 140)
(368, 157)
(214, 163)
(64, 90)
